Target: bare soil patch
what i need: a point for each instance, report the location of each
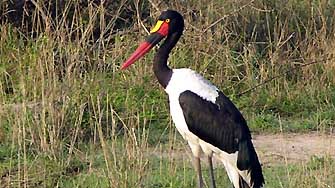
(272, 149)
(290, 148)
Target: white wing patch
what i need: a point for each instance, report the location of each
(187, 79)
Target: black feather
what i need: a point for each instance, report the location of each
(222, 125)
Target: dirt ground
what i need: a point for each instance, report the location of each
(272, 149)
(290, 148)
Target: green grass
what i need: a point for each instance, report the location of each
(70, 118)
(161, 170)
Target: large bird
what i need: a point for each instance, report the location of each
(202, 114)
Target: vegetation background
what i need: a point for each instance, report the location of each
(70, 118)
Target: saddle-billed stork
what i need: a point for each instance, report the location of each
(202, 114)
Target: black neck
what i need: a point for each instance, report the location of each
(161, 69)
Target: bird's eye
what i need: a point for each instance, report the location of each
(167, 20)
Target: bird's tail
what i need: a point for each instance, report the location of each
(252, 168)
(242, 183)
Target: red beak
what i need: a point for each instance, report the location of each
(143, 48)
(140, 51)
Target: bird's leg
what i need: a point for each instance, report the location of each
(210, 162)
(198, 169)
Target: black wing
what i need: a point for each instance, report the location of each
(219, 123)
(222, 125)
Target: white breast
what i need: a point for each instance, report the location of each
(183, 80)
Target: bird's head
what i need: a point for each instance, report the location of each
(168, 23)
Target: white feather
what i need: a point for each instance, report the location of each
(187, 79)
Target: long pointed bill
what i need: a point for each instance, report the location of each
(158, 32)
(142, 49)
